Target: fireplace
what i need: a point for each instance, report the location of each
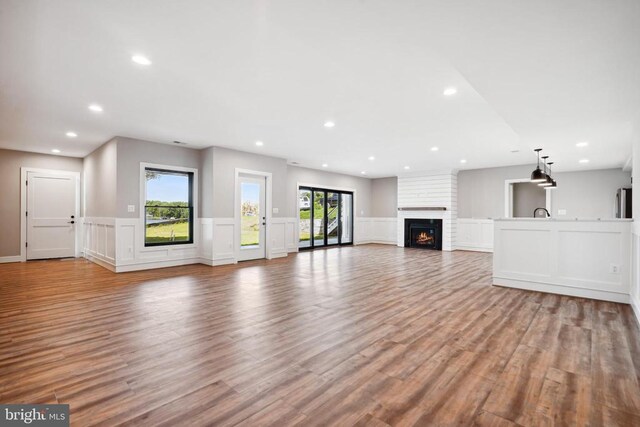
(423, 233)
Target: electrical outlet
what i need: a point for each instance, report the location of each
(614, 269)
(131, 208)
(562, 211)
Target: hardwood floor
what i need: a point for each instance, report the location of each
(369, 335)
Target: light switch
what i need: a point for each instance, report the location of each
(562, 211)
(131, 208)
(276, 210)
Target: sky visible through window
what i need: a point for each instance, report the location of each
(168, 188)
(250, 192)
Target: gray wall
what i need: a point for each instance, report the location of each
(585, 194)
(527, 196)
(296, 175)
(225, 162)
(131, 152)
(10, 163)
(100, 181)
(206, 183)
(384, 197)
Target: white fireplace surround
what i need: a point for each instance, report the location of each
(448, 225)
(425, 191)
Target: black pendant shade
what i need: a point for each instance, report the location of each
(538, 175)
(547, 179)
(552, 185)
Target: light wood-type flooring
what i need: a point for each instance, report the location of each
(370, 335)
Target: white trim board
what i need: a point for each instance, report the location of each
(562, 290)
(6, 259)
(23, 205)
(236, 209)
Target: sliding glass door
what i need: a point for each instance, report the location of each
(325, 217)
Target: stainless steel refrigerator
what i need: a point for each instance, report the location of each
(623, 203)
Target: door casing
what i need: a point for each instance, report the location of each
(23, 206)
(268, 204)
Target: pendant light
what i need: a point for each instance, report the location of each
(537, 175)
(547, 179)
(553, 185)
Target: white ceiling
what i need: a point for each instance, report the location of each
(529, 74)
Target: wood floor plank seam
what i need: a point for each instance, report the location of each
(368, 335)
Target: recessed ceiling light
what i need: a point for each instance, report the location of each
(95, 108)
(582, 144)
(142, 60)
(55, 150)
(372, 158)
(407, 168)
(463, 161)
(434, 148)
(363, 172)
(450, 91)
(324, 165)
(71, 134)
(329, 124)
(259, 143)
(584, 160)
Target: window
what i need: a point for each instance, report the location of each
(168, 209)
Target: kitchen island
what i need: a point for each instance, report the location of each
(579, 257)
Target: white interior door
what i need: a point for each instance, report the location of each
(253, 217)
(52, 213)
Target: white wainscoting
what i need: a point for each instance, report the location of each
(223, 241)
(375, 230)
(586, 258)
(132, 255)
(283, 237)
(635, 269)
(99, 240)
(475, 235)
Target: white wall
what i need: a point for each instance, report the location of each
(635, 235)
(585, 194)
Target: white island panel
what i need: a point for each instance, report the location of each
(586, 258)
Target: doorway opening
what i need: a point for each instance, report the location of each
(325, 217)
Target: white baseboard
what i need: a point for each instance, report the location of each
(156, 264)
(562, 290)
(473, 249)
(100, 262)
(16, 258)
(216, 262)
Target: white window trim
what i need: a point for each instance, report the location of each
(143, 201)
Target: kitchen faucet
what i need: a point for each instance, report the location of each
(544, 209)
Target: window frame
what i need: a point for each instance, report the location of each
(325, 190)
(192, 204)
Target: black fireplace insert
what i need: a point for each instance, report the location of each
(423, 233)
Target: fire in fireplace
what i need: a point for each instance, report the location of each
(423, 233)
